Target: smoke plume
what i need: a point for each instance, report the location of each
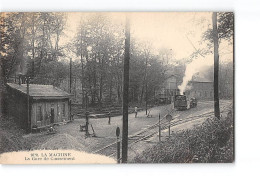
(197, 65)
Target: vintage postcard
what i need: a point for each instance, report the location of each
(116, 87)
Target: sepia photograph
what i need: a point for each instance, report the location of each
(117, 87)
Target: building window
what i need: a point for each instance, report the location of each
(39, 113)
(63, 109)
(205, 93)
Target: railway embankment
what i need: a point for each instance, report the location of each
(209, 142)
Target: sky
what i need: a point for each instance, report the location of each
(177, 31)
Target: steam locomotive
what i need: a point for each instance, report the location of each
(182, 102)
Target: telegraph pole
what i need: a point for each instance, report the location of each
(70, 73)
(125, 92)
(216, 65)
(82, 71)
(28, 103)
(70, 84)
(146, 97)
(146, 62)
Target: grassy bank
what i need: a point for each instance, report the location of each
(211, 142)
(11, 136)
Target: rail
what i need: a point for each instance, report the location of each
(153, 129)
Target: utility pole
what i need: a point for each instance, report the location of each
(70, 84)
(146, 97)
(33, 45)
(125, 92)
(82, 70)
(216, 65)
(146, 64)
(118, 144)
(159, 128)
(70, 73)
(28, 103)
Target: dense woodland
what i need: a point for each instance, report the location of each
(32, 44)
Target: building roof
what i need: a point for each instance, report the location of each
(40, 91)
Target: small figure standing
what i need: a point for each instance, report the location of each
(109, 118)
(135, 112)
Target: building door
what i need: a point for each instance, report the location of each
(52, 115)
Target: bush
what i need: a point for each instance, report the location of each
(211, 142)
(11, 136)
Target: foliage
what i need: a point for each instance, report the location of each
(210, 143)
(100, 45)
(225, 28)
(11, 136)
(30, 42)
(225, 78)
(11, 45)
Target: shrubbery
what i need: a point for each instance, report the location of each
(11, 136)
(211, 142)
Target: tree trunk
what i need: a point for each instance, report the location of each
(95, 79)
(33, 45)
(100, 81)
(216, 65)
(82, 72)
(144, 81)
(119, 90)
(110, 91)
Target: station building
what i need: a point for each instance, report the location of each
(47, 105)
(200, 89)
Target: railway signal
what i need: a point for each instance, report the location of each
(118, 144)
(87, 122)
(169, 118)
(159, 128)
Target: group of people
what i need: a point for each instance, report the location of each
(109, 115)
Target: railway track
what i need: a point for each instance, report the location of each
(110, 150)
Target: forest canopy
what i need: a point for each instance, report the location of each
(42, 44)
